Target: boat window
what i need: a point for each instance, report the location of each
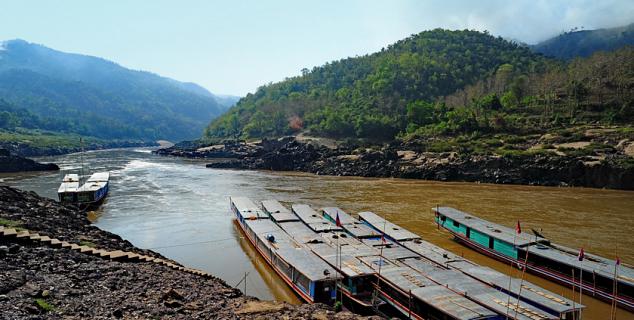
(456, 224)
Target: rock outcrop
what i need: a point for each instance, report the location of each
(10, 163)
(402, 161)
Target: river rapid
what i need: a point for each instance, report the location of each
(180, 209)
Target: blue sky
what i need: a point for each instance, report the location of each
(232, 47)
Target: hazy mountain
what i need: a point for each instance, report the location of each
(585, 42)
(88, 95)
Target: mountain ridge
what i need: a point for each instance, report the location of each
(139, 104)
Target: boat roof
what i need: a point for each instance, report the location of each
(391, 230)
(540, 246)
(487, 296)
(301, 258)
(300, 232)
(247, 208)
(65, 187)
(452, 303)
(92, 186)
(397, 253)
(488, 228)
(349, 264)
(278, 212)
(591, 263)
(71, 177)
(99, 177)
(332, 213)
(535, 294)
(430, 253)
(313, 219)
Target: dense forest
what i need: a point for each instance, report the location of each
(368, 96)
(44, 89)
(438, 83)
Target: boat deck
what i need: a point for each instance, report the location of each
(248, 209)
(313, 219)
(390, 229)
(350, 224)
(278, 212)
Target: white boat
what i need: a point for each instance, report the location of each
(90, 194)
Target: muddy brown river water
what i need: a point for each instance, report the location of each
(180, 208)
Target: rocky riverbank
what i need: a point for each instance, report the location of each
(407, 160)
(44, 282)
(27, 150)
(11, 163)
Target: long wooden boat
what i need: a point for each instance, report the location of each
(310, 278)
(89, 195)
(354, 286)
(541, 257)
(490, 288)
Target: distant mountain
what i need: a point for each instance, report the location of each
(41, 88)
(585, 42)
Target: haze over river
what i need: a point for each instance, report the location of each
(181, 209)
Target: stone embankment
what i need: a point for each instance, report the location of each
(404, 161)
(11, 163)
(54, 264)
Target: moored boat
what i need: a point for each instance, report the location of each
(600, 277)
(508, 296)
(87, 196)
(310, 278)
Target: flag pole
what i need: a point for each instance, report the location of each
(508, 300)
(519, 294)
(581, 256)
(573, 294)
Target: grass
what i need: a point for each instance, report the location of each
(17, 225)
(87, 243)
(44, 139)
(44, 305)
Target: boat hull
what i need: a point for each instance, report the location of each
(297, 290)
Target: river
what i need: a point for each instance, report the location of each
(181, 209)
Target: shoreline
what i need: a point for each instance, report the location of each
(397, 160)
(25, 150)
(38, 278)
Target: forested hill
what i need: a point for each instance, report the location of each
(44, 89)
(583, 43)
(368, 96)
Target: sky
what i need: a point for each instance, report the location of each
(233, 47)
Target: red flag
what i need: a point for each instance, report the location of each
(383, 238)
(518, 229)
(337, 221)
(581, 254)
(618, 261)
